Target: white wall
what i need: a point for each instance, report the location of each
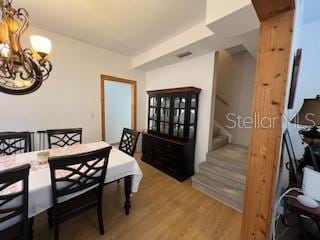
(308, 82)
(236, 77)
(196, 72)
(117, 109)
(71, 95)
(303, 84)
(217, 9)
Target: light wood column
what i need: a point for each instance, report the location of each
(269, 99)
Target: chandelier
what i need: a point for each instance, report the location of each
(22, 70)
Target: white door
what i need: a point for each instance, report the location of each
(117, 109)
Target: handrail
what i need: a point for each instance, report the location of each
(222, 100)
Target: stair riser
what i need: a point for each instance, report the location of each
(216, 193)
(219, 144)
(222, 190)
(215, 176)
(228, 165)
(211, 157)
(216, 132)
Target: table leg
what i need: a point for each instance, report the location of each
(127, 191)
(31, 220)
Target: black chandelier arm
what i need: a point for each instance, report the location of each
(23, 15)
(6, 71)
(43, 65)
(27, 74)
(7, 3)
(45, 68)
(26, 63)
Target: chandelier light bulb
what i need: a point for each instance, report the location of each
(41, 45)
(4, 50)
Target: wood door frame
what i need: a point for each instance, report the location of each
(133, 84)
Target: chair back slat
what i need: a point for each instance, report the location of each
(129, 141)
(14, 143)
(14, 201)
(64, 137)
(75, 173)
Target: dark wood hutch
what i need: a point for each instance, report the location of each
(169, 144)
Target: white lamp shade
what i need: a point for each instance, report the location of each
(41, 44)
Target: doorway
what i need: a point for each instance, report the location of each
(234, 95)
(118, 107)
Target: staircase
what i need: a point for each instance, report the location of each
(222, 176)
(219, 139)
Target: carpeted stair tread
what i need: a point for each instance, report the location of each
(230, 156)
(219, 191)
(234, 179)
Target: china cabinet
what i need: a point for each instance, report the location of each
(169, 143)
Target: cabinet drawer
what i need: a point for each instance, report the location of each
(173, 157)
(158, 153)
(147, 143)
(168, 156)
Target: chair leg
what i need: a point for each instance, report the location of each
(127, 191)
(317, 224)
(56, 230)
(100, 218)
(31, 220)
(50, 219)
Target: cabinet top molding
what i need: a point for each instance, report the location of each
(176, 90)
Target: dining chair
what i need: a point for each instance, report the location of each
(64, 137)
(14, 223)
(14, 142)
(129, 141)
(77, 185)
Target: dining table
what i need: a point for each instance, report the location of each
(120, 166)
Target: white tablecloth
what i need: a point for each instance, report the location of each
(40, 197)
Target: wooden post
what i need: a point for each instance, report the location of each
(269, 101)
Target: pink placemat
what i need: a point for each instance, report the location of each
(7, 162)
(11, 161)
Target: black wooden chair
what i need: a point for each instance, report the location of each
(64, 137)
(14, 222)
(129, 141)
(14, 142)
(77, 185)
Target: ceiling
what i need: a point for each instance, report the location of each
(129, 27)
(311, 11)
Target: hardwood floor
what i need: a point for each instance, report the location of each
(162, 209)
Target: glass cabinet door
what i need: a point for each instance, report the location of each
(153, 114)
(173, 114)
(193, 113)
(165, 110)
(179, 116)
